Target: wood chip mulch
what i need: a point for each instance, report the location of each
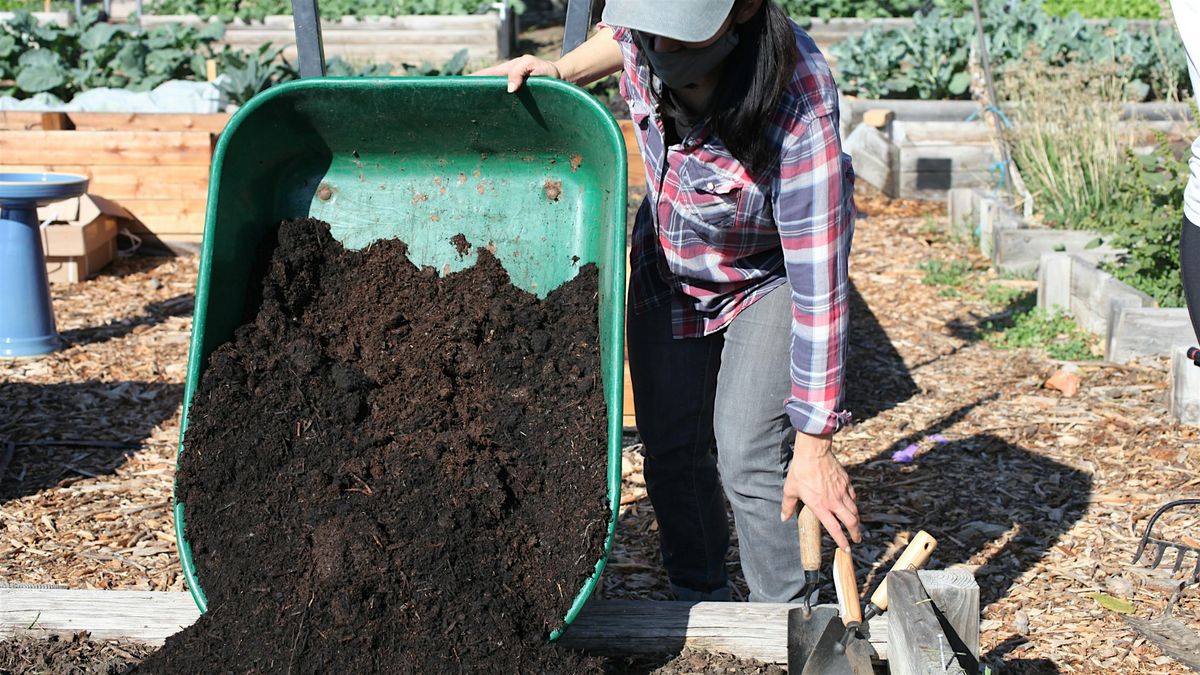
(85, 501)
(1042, 495)
(74, 655)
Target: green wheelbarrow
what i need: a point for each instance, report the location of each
(540, 175)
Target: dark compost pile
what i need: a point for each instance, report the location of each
(391, 471)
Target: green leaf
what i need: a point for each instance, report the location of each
(132, 58)
(97, 36)
(1060, 247)
(8, 44)
(39, 57)
(1110, 603)
(959, 83)
(1095, 243)
(456, 64)
(36, 78)
(212, 31)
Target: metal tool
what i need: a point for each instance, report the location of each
(1171, 635)
(842, 648)
(805, 625)
(1182, 548)
(914, 557)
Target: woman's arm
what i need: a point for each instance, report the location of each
(598, 57)
(815, 216)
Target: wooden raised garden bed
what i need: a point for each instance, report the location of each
(388, 39)
(154, 165)
(747, 630)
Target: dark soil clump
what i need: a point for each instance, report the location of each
(391, 471)
(75, 655)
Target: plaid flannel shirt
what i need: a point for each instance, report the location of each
(713, 239)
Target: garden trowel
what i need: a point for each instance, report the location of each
(806, 624)
(842, 647)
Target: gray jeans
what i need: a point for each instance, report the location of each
(716, 404)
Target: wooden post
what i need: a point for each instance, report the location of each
(57, 121)
(927, 635)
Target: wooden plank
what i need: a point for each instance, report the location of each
(935, 132)
(133, 182)
(163, 216)
(401, 53)
(955, 595)
(57, 121)
(398, 23)
(748, 630)
(159, 148)
(18, 120)
(458, 38)
(1138, 332)
(146, 616)
(1185, 388)
(917, 642)
(961, 157)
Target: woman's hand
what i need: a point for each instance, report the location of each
(520, 68)
(816, 479)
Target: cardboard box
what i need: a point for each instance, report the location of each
(81, 239)
(74, 269)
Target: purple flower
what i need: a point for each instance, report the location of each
(906, 455)
(938, 438)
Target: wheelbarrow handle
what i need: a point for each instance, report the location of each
(306, 17)
(579, 19)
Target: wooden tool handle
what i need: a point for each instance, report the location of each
(810, 540)
(914, 557)
(847, 587)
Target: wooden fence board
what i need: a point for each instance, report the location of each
(168, 216)
(119, 183)
(158, 148)
(19, 120)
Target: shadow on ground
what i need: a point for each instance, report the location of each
(52, 433)
(152, 314)
(979, 495)
(876, 377)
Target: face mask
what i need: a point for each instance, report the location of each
(686, 67)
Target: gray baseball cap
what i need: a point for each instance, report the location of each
(683, 20)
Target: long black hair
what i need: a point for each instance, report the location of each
(751, 85)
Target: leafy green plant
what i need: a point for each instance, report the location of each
(1145, 221)
(1100, 9)
(1056, 333)
(65, 60)
(1000, 295)
(929, 60)
(454, 66)
(35, 5)
(944, 273)
(867, 9)
(253, 72)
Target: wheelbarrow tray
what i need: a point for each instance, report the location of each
(539, 176)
